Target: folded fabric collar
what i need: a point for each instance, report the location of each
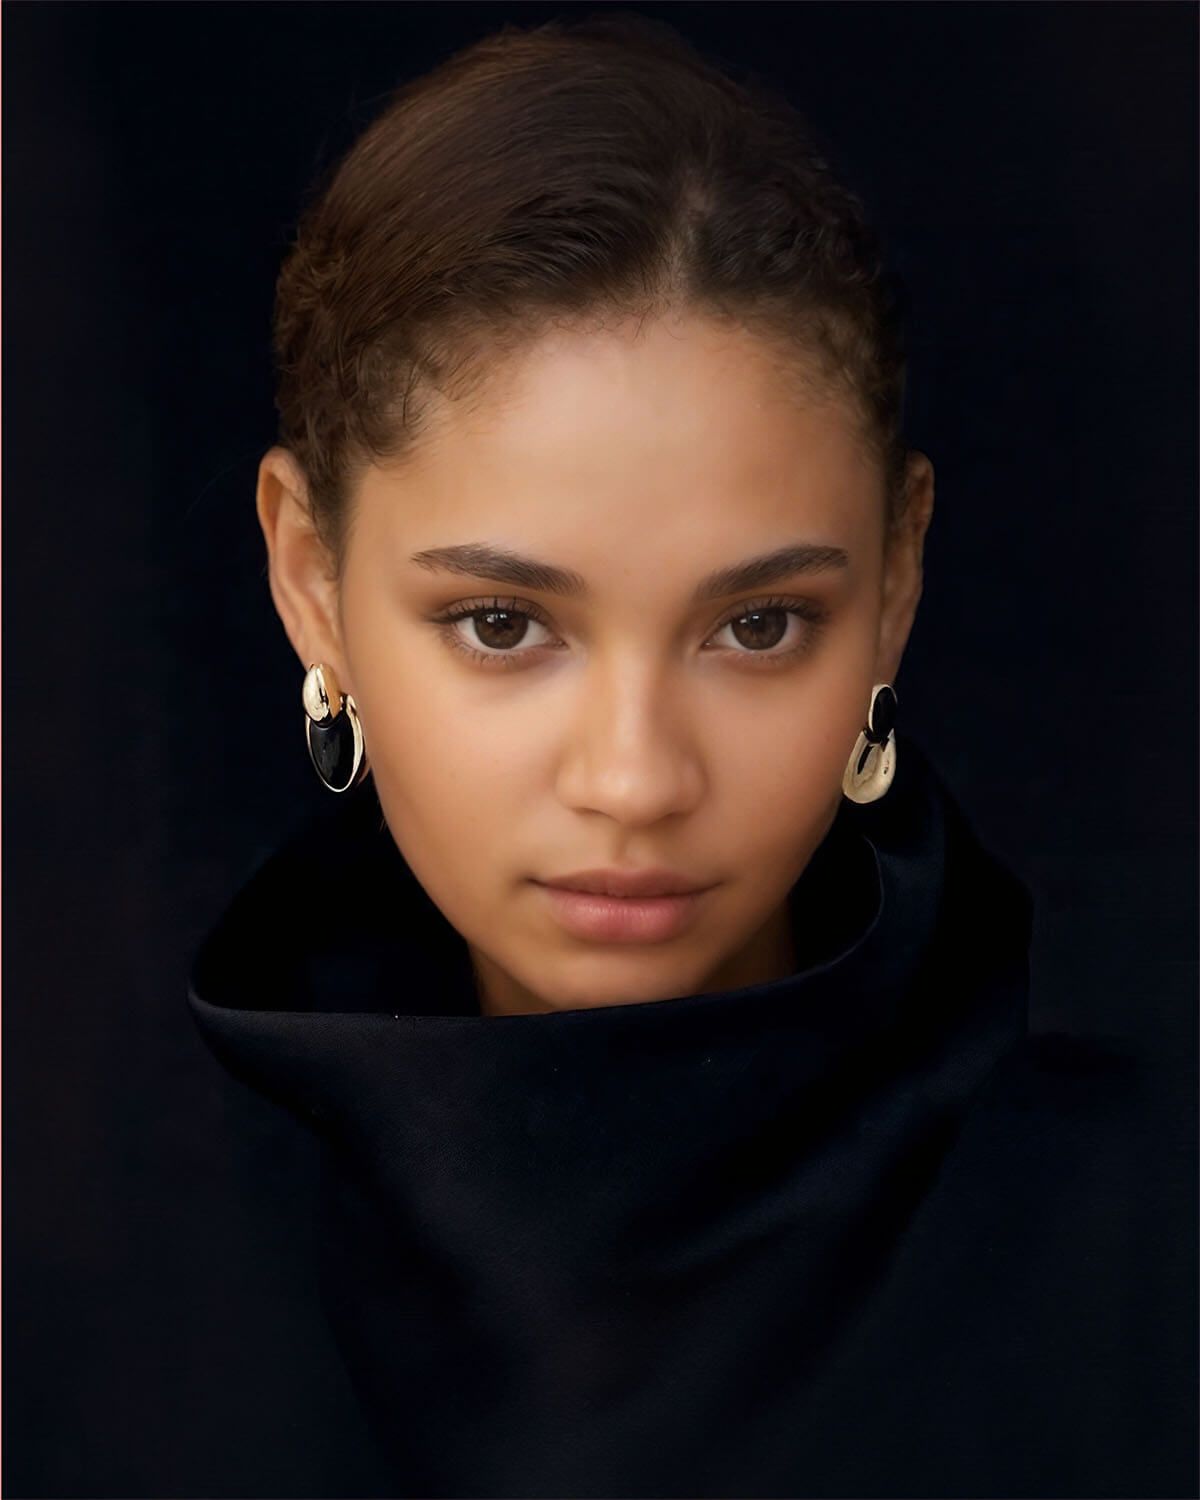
(621, 1250)
(334, 985)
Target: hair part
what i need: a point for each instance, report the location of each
(573, 174)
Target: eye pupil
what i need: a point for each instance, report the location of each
(510, 632)
(761, 635)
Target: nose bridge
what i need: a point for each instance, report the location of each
(631, 752)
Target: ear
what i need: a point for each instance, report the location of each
(903, 563)
(300, 567)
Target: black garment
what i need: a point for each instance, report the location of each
(850, 1232)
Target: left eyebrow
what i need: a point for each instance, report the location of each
(481, 560)
(770, 567)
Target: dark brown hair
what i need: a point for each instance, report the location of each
(574, 172)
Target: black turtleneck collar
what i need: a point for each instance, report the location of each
(618, 1250)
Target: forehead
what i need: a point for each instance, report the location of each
(678, 427)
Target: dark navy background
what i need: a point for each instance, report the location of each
(1033, 168)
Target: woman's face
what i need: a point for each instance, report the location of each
(564, 660)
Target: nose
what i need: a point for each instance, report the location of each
(629, 752)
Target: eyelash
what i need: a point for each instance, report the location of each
(811, 613)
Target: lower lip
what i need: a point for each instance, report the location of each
(622, 919)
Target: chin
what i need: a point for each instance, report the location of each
(626, 978)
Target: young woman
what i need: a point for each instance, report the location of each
(664, 1021)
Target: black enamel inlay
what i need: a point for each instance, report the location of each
(883, 716)
(331, 747)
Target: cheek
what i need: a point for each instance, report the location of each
(781, 785)
(451, 786)
(445, 823)
(779, 794)
(788, 745)
(440, 786)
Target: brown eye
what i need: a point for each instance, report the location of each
(489, 631)
(760, 629)
(499, 629)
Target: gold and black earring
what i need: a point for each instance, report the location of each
(331, 727)
(872, 765)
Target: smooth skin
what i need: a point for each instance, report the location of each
(627, 725)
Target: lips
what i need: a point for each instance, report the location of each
(627, 884)
(624, 906)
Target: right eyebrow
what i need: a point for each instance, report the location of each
(499, 565)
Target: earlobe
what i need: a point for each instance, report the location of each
(300, 572)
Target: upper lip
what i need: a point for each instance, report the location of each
(628, 883)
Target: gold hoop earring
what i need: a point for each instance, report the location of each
(872, 764)
(332, 730)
